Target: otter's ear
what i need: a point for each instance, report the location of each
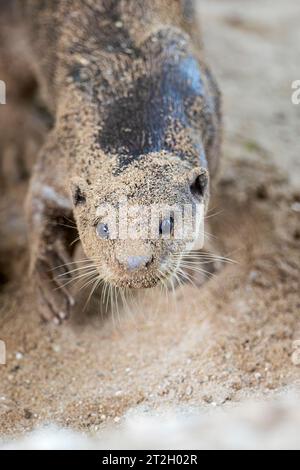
(78, 192)
(200, 183)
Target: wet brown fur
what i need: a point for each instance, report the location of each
(103, 67)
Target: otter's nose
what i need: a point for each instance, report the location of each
(133, 263)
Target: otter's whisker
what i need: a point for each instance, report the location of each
(117, 304)
(102, 296)
(55, 224)
(108, 294)
(77, 275)
(198, 270)
(70, 220)
(195, 263)
(197, 256)
(210, 236)
(103, 293)
(96, 284)
(112, 305)
(214, 257)
(134, 299)
(179, 281)
(92, 278)
(123, 298)
(215, 214)
(77, 278)
(126, 303)
(187, 277)
(171, 281)
(77, 239)
(81, 269)
(72, 263)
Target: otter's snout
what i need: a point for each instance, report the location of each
(134, 263)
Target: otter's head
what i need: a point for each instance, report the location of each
(135, 224)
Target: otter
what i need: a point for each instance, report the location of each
(136, 117)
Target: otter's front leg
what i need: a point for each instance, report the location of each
(48, 210)
(22, 130)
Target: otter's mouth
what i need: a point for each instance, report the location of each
(145, 279)
(135, 282)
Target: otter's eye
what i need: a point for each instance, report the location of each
(166, 227)
(102, 231)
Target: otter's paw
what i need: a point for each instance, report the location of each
(51, 279)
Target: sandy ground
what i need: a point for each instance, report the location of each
(210, 347)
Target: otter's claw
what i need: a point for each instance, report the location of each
(55, 300)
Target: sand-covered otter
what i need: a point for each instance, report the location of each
(136, 117)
